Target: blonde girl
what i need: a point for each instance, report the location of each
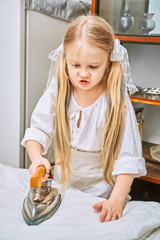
(87, 110)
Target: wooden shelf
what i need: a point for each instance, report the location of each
(146, 98)
(152, 165)
(93, 7)
(153, 173)
(146, 152)
(139, 39)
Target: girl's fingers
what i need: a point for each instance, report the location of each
(114, 217)
(119, 215)
(108, 216)
(36, 164)
(97, 206)
(103, 215)
(47, 165)
(45, 178)
(48, 168)
(108, 212)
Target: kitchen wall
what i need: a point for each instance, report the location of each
(145, 69)
(11, 80)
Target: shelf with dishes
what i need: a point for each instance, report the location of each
(114, 12)
(144, 97)
(133, 21)
(152, 165)
(151, 151)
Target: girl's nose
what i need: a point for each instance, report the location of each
(84, 74)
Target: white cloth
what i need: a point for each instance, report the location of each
(75, 218)
(88, 137)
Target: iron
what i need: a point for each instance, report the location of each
(42, 200)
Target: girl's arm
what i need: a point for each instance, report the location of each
(112, 208)
(34, 150)
(130, 156)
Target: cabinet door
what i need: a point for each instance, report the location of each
(134, 20)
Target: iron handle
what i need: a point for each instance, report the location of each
(35, 180)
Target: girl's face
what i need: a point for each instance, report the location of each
(86, 65)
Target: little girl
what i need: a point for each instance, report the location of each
(87, 109)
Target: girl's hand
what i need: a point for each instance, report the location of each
(39, 162)
(110, 210)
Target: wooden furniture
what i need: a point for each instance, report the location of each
(138, 97)
(139, 39)
(149, 39)
(147, 188)
(148, 185)
(153, 166)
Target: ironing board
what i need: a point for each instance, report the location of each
(75, 218)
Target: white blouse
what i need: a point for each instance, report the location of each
(88, 136)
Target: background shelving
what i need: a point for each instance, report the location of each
(153, 166)
(150, 99)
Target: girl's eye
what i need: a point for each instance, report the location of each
(76, 65)
(93, 67)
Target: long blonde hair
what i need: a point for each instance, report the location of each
(98, 33)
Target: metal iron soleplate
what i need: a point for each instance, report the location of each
(35, 213)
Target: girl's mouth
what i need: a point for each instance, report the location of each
(84, 82)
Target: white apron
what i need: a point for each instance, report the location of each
(86, 173)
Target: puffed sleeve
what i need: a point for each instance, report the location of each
(130, 160)
(42, 119)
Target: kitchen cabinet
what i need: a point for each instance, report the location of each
(147, 187)
(112, 10)
(153, 166)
